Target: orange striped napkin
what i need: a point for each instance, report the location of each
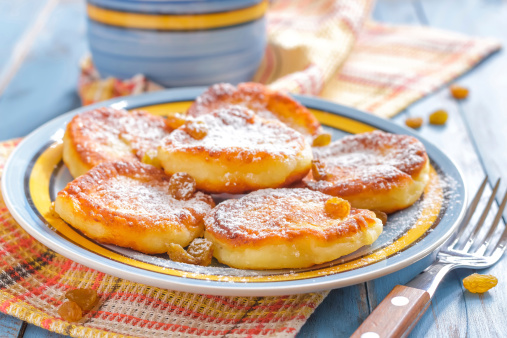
(34, 279)
(318, 47)
(328, 48)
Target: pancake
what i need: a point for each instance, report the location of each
(376, 170)
(232, 150)
(128, 204)
(108, 134)
(286, 228)
(266, 103)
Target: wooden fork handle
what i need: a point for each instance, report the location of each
(396, 315)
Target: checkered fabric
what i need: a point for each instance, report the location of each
(320, 47)
(34, 279)
(328, 48)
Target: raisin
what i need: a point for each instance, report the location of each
(178, 254)
(150, 157)
(321, 140)
(319, 170)
(476, 283)
(337, 207)
(199, 252)
(175, 121)
(414, 122)
(85, 298)
(202, 250)
(381, 216)
(196, 129)
(439, 117)
(182, 186)
(70, 311)
(458, 92)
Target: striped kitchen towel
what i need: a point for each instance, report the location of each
(318, 47)
(34, 279)
(330, 49)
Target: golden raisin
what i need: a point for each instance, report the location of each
(414, 122)
(321, 140)
(318, 170)
(196, 129)
(85, 298)
(458, 92)
(182, 186)
(178, 254)
(337, 207)
(202, 250)
(381, 216)
(476, 283)
(150, 157)
(439, 117)
(199, 252)
(70, 311)
(175, 121)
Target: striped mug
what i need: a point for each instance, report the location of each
(178, 42)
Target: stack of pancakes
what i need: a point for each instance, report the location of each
(248, 141)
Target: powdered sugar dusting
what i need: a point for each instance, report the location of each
(109, 134)
(369, 159)
(239, 132)
(281, 213)
(377, 148)
(137, 191)
(266, 103)
(251, 96)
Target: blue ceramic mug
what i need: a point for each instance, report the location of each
(178, 42)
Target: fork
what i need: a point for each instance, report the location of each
(398, 313)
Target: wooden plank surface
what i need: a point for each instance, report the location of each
(45, 88)
(15, 18)
(448, 301)
(45, 85)
(35, 331)
(486, 108)
(9, 326)
(339, 314)
(454, 312)
(485, 112)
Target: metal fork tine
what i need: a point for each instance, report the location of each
(500, 246)
(494, 225)
(477, 227)
(470, 212)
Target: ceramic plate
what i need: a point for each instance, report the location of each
(35, 173)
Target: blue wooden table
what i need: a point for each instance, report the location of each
(47, 40)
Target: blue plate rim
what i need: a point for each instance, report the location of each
(427, 245)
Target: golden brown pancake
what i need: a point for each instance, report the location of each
(285, 228)
(108, 134)
(376, 170)
(266, 103)
(232, 150)
(128, 204)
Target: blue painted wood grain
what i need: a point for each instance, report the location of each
(339, 314)
(35, 331)
(486, 113)
(9, 326)
(453, 312)
(486, 108)
(45, 85)
(15, 18)
(450, 301)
